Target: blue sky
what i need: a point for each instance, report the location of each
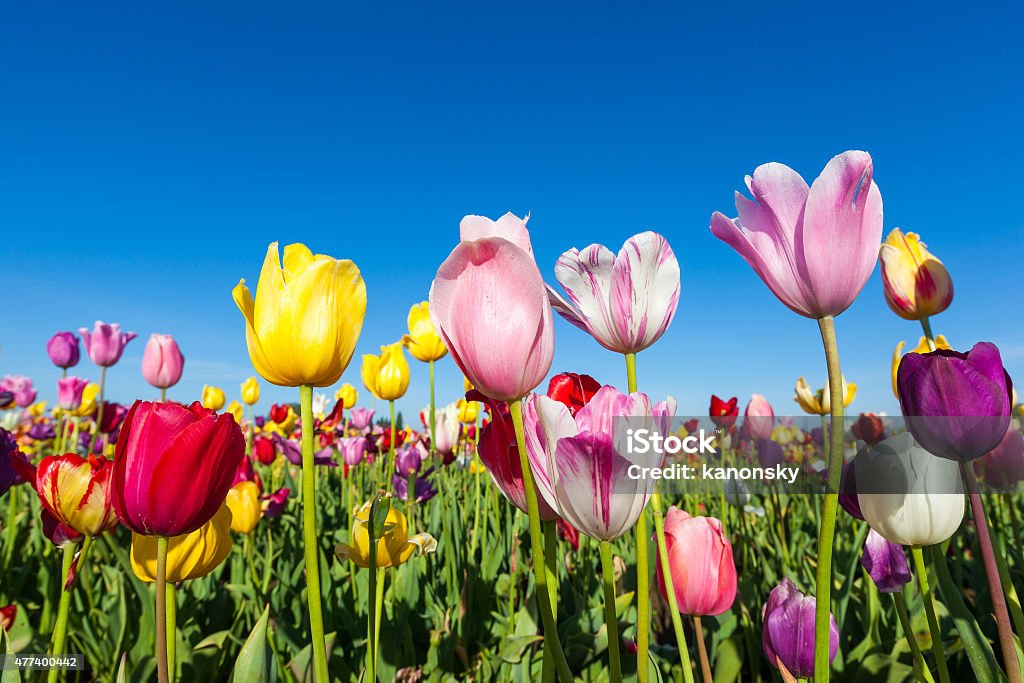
(152, 151)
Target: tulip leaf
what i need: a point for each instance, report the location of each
(11, 675)
(255, 662)
(215, 640)
(512, 649)
(728, 662)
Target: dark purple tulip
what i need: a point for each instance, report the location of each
(6, 399)
(42, 431)
(259, 421)
(885, 562)
(7, 447)
(325, 457)
(85, 438)
(275, 503)
(63, 350)
(848, 491)
(1003, 466)
(769, 453)
(408, 460)
(788, 631)
(289, 449)
(957, 405)
(423, 491)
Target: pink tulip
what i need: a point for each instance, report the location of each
(700, 558)
(162, 361)
(21, 389)
(69, 392)
(759, 418)
(581, 464)
(105, 343)
(625, 302)
(814, 247)
(490, 306)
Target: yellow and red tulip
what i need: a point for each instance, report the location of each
(76, 491)
(917, 285)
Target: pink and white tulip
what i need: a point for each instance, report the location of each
(814, 247)
(759, 417)
(490, 306)
(624, 301)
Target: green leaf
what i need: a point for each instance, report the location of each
(255, 662)
(122, 669)
(7, 675)
(512, 649)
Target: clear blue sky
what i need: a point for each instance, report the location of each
(152, 151)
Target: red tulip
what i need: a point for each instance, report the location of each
(869, 428)
(7, 616)
(263, 449)
(700, 558)
(173, 467)
(573, 390)
(724, 413)
(76, 491)
(278, 413)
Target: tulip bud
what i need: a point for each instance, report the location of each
(69, 392)
(213, 398)
(162, 362)
(1003, 466)
(701, 561)
(572, 390)
(724, 413)
(386, 375)
(105, 343)
(361, 418)
(788, 632)
(423, 341)
(886, 563)
(347, 396)
(7, 616)
(189, 556)
(236, 411)
(869, 428)
(250, 391)
(917, 285)
(244, 501)
(77, 492)
(758, 417)
(468, 411)
(63, 350)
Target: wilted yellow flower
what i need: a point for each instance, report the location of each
(423, 341)
(304, 323)
(818, 402)
(386, 375)
(189, 556)
(393, 548)
(88, 405)
(916, 283)
(246, 510)
(236, 410)
(346, 396)
(922, 347)
(213, 397)
(468, 411)
(251, 391)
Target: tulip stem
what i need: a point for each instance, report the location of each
(702, 649)
(926, 326)
(391, 448)
(610, 618)
(172, 634)
(433, 448)
(537, 547)
(551, 568)
(99, 411)
(921, 670)
(161, 609)
(826, 533)
(316, 617)
(670, 591)
(929, 610)
(371, 616)
(995, 587)
(643, 571)
(60, 629)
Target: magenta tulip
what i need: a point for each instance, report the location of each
(490, 306)
(787, 634)
(21, 389)
(1003, 466)
(885, 562)
(63, 350)
(701, 562)
(814, 247)
(162, 362)
(105, 343)
(69, 392)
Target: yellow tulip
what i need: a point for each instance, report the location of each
(476, 467)
(916, 283)
(304, 323)
(213, 397)
(922, 347)
(37, 409)
(468, 411)
(819, 402)
(466, 384)
(236, 411)
(423, 341)
(346, 396)
(386, 375)
(246, 509)
(393, 548)
(251, 391)
(189, 556)
(88, 405)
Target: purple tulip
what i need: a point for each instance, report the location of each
(788, 631)
(769, 453)
(848, 491)
(63, 350)
(1003, 466)
(6, 399)
(69, 392)
(105, 343)
(360, 418)
(8, 446)
(275, 503)
(42, 431)
(325, 457)
(259, 421)
(424, 488)
(957, 405)
(885, 562)
(353, 448)
(408, 459)
(813, 247)
(21, 388)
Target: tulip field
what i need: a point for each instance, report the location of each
(531, 523)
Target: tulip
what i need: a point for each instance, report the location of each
(42, 431)
(572, 390)
(213, 398)
(420, 492)
(1003, 466)
(395, 547)
(113, 416)
(758, 417)
(446, 429)
(813, 247)
(917, 285)
(162, 362)
(76, 491)
(275, 503)
(885, 562)
(246, 509)
(625, 301)
(304, 323)
(820, 402)
(769, 453)
(468, 411)
(105, 343)
(88, 404)
(189, 556)
(922, 347)
(408, 460)
(250, 390)
(63, 350)
(581, 466)
(788, 632)
(263, 450)
(8, 446)
(21, 388)
(869, 428)
(236, 411)
(346, 396)
(957, 405)
(353, 449)
(723, 413)
(173, 467)
(361, 418)
(907, 494)
(491, 308)
(7, 616)
(319, 405)
(701, 562)
(69, 392)
(386, 375)
(423, 341)
(848, 495)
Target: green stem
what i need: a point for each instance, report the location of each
(673, 605)
(537, 546)
(161, 610)
(316, 617)
(929, 610)
(551, 569)
(921, 670)
(371, 615)
(433, 448)
(926, 326)
(611, 620)
(172, 633)
(60, 629)
(391, 449)
(826, 533)
(643, 572)
(99, 411)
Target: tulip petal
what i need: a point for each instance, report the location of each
(509, 227)
(644, 291)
